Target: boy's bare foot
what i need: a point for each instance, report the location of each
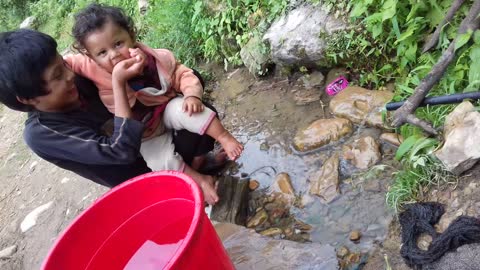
(231, 146)
(208, 187)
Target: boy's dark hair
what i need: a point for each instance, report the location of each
(94, 17)
(24, 54)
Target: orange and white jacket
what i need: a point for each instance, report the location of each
(174, 77)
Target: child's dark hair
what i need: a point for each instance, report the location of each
(94, 17)
(24, 54)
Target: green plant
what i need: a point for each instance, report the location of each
(421, 169)
(222, 28)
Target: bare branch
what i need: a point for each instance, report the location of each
(412, 119)
(448, 17)
(403, 115)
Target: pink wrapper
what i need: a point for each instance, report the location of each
(336, 86)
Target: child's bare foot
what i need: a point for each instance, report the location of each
(209, 191)
(231, 146)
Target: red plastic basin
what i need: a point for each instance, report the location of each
(154, 221)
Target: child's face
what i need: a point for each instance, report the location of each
(109, 45)
(62, 94)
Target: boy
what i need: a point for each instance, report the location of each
(65, 114)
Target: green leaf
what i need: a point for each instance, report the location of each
(422, 144)
(395, 26)
(463, 39)
(358, 10)
(406, 146)
(474, 70)
(389, 9)
(406, 34)
(476, 37)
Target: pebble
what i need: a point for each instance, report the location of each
(253, 184)
(342, 252)
(355, 236)
(244, 175)
(288, 232)
(257, 220)
(31, 219)
(271, 232)
(8, 252)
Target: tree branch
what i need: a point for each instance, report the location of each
(404, 114)
(448, 17)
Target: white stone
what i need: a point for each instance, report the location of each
(462, 134)
(295, 38)
(8, 252)
(31, 219)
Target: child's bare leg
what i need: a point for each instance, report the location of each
(231, 146)
(206, 183)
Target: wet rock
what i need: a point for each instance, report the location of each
(276, 214)
(461, 133)
(288, 232)
(8, 252)
(28, 22)
(295, 38)
(334, 73)
(322, 132)
(255, 57)
(306, 96)
(249, 250)
(342, 252)
(372, 185)
(253, 184)
(360, 105)
(325, 183)
(271, 232)
(465, 257)
(355, 236)
(258, 219)
(233, 204)
(363, 153)
(313, 80)
(392, 138)
(302, 226)
(283, 184)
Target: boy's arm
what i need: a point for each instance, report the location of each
(63, 140)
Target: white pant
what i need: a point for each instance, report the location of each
(159, 151)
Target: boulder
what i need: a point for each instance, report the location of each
(143, 6)
(461, 134)
(361, 106)
(250, 250)
(325, 183)
(233, 204)
(295, 37)
(363, 152)
(322, 132)
(28, 22)
(255, 56)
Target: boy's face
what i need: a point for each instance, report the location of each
(109, 45)
(62, 94)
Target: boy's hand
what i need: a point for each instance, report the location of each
(129, 68)
(192, 105)
(134, 52)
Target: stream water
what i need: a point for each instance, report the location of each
(264, 116)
